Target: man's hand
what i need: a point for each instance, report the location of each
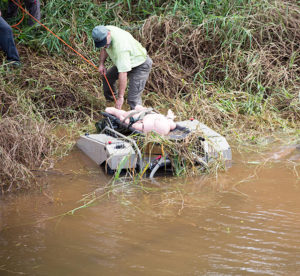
(102, 69)
(119, 102)
(0, 13)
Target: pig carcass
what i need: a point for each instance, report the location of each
(145, 120)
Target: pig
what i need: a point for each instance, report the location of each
(150, 122)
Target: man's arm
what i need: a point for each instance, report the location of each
(122, 87)
(103, 56)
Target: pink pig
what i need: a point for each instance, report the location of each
(151, 122)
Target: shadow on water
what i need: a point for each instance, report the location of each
(243, 222)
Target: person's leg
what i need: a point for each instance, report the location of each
(7, 43)
(34, 8)
(12, 9)
(138, 77)
(112, 76)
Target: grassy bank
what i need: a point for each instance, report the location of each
(234, 65)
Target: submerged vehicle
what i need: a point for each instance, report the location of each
(117, 146)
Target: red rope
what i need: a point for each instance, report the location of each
(88, 61)
(15, 26)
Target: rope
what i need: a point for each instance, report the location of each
(23, 15)
(88, 61)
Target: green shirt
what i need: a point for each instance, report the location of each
(124, 51)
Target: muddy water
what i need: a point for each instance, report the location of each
(244, 222)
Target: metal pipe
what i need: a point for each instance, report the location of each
(158, 165)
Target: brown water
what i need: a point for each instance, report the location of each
(244, 222)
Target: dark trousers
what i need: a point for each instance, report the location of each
(7, 43)
(33, 7)
(137, 80)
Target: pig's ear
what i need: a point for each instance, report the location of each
(171, 115)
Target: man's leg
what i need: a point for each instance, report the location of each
(34, 8)
(7, 42)
(112, 75)
(138, 77)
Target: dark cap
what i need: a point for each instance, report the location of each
(99, 35)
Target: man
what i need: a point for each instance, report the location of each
(33, 7)
(130, 62)
(7, 43)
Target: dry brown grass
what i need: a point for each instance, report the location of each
(265, 58)
(24, 145)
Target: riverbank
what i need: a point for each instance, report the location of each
(234, 66)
